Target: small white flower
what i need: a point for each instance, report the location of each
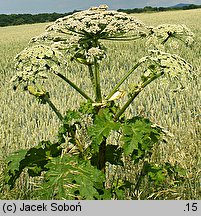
(94, 51)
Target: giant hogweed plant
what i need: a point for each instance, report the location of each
(75, 167)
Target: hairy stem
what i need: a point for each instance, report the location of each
(74, 86)
(142, 172)
(97, 81)
(91, 74)
(140, 178)
(135, 94)
(122, 80)
(53, 107)
(102, 156)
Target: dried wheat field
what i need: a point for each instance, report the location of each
(24, 122)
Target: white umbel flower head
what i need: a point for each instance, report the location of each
(35, 62)
(99, 22)
(94, 53)
(166, 32)
(79, 34)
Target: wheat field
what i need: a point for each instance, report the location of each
(24, 122)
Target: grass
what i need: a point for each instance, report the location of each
(24, 122)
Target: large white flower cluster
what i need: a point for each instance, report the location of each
(166, 32)
(99, 22)
(34, 63)
(171, 65)
(80, 33)
(79, 36)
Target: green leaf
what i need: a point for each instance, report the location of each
(119, 188)
(33, 159)
(14, 167)
(157, 175)
(139, 137)
(176, 172)
(120, 194)
(103, 125)
(70, 177)
(114, 155)
(164, 174)
(87, 108)
(59, 175)
(89, 181)
(68, 128)
(71, 115)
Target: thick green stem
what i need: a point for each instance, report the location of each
(42, 95)
(122, 80)
(91, 74)
(97, 82)
(53, 107)
(141, 175)
(102, 156)
(74, 86)
(135, 94)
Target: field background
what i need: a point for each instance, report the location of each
(24, 122)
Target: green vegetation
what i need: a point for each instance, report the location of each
(25, 123)
(21, 19)
(149, 9)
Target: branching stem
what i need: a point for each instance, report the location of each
(97, 81)
(135, 94)
(46, 98)
(74, 86)
(91, 74)
(122, 80)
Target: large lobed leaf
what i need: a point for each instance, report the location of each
(103, 125)
(69, 177)
(33, 159)
(139, 137)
